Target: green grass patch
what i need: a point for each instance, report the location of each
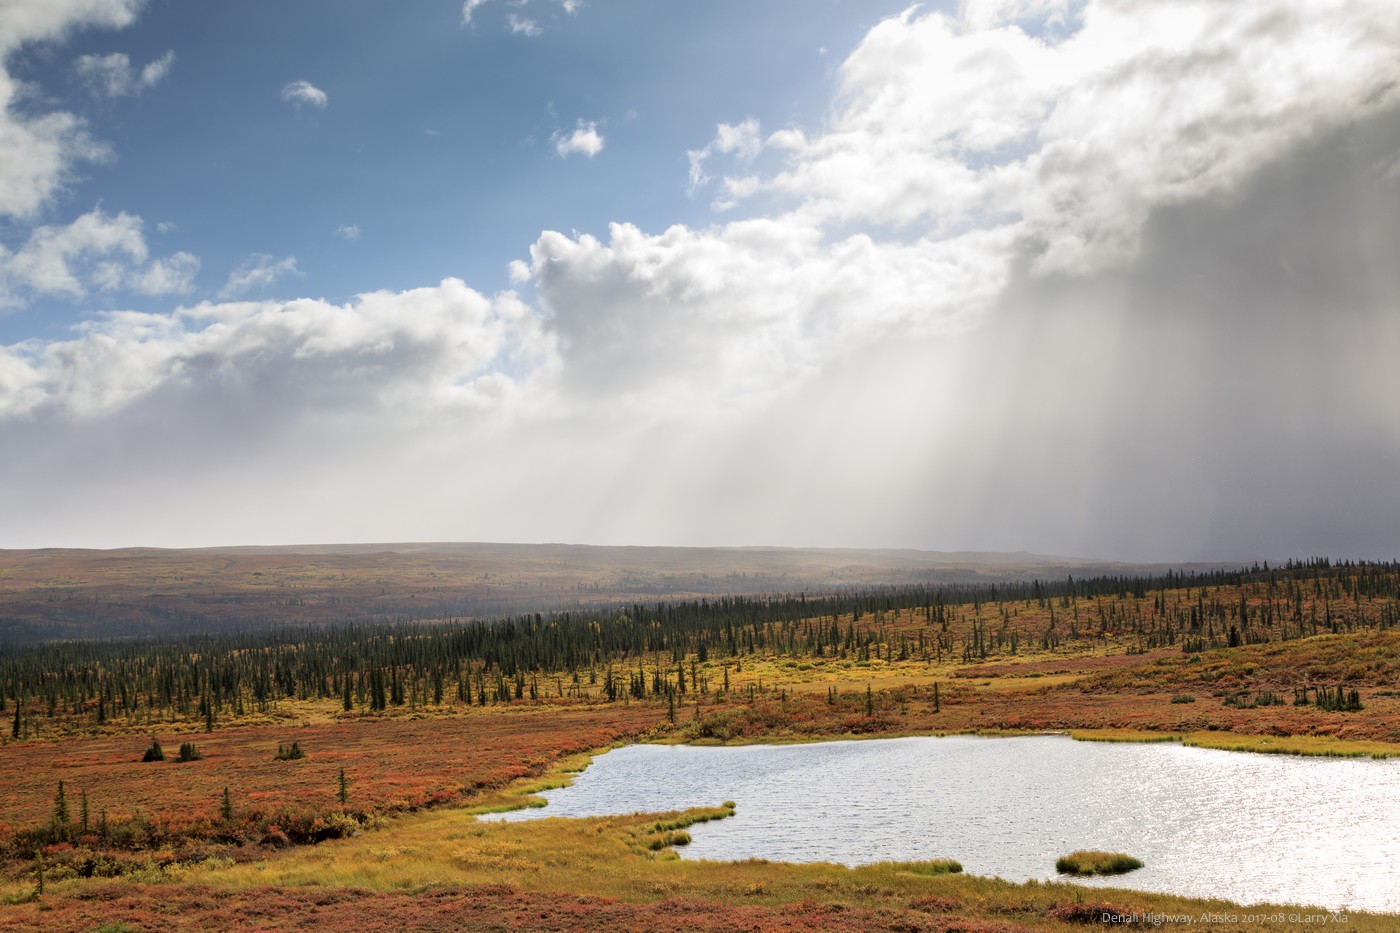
(936, 866)
(1087, 862)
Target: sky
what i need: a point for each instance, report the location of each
(1078, 277)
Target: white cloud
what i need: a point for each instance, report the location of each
(945, 122)
(112, 75)
(964, 152)
(154, 71)
(468, 8)
(348, 232)
(304, 92)
(736, 190)
(704, 320)
(37, 149)
(257, 273)
(742, 140)
(167, 226)
(518, 24)
(434, 347)
(522, 25)
(173, 275)
(96, 251)
(790, 138)
(106, 75)
(584, 140)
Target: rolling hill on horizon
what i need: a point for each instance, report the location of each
(69, 592)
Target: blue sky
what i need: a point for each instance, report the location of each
(435, 141)
(1067, 276)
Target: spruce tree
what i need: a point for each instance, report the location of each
(60, 812)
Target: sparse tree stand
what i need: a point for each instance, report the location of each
(289, 754)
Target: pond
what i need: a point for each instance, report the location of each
(1244, 827)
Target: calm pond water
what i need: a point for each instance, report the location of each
(1244, 827)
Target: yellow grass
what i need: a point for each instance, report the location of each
(1311, 745)
(1026, 684)
(1321, 746)
(1123, 735)
(610, 857)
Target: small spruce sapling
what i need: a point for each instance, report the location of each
(155, 752)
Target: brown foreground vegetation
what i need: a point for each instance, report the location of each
(385, 798)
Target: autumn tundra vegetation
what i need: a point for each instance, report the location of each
(333, 774)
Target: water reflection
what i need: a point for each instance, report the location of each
(1248, 828)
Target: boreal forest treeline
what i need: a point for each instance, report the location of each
(669, 649)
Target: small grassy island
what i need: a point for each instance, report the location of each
(1096, 863)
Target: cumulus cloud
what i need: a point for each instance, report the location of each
(742, 140)
(442, 345)
(38, 149)
(522, 25)
(302, 92)
(112, 75)
(96, 251)
(945, 121)
(469, 7)
(258, 272)
(584, 140)
(517, 23)
(718, 317)
(173, 275)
